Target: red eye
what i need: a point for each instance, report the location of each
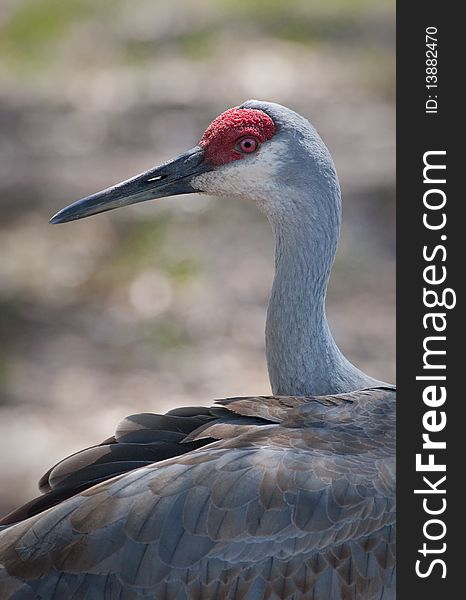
(247, 145)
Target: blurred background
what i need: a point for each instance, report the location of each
(164, 304)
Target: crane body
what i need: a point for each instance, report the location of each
(289, 496)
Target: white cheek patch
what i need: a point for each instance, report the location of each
(252, 177)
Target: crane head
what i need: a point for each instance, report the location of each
(241, 154)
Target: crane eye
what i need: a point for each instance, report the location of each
(247, 145)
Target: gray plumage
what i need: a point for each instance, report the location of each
(301, 507)
(290, 496)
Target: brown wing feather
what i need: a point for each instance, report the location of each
(300, 509)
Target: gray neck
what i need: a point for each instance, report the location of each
(302, 356)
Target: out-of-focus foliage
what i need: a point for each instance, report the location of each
(164, 304)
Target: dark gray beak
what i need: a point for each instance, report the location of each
(172, 178)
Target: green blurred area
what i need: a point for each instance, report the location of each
(164, 304)
(34, 33)
(32, 29)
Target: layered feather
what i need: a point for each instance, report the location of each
(295, 499)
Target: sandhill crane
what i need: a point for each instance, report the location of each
(289, 496)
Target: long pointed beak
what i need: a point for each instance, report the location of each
(172, 178)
